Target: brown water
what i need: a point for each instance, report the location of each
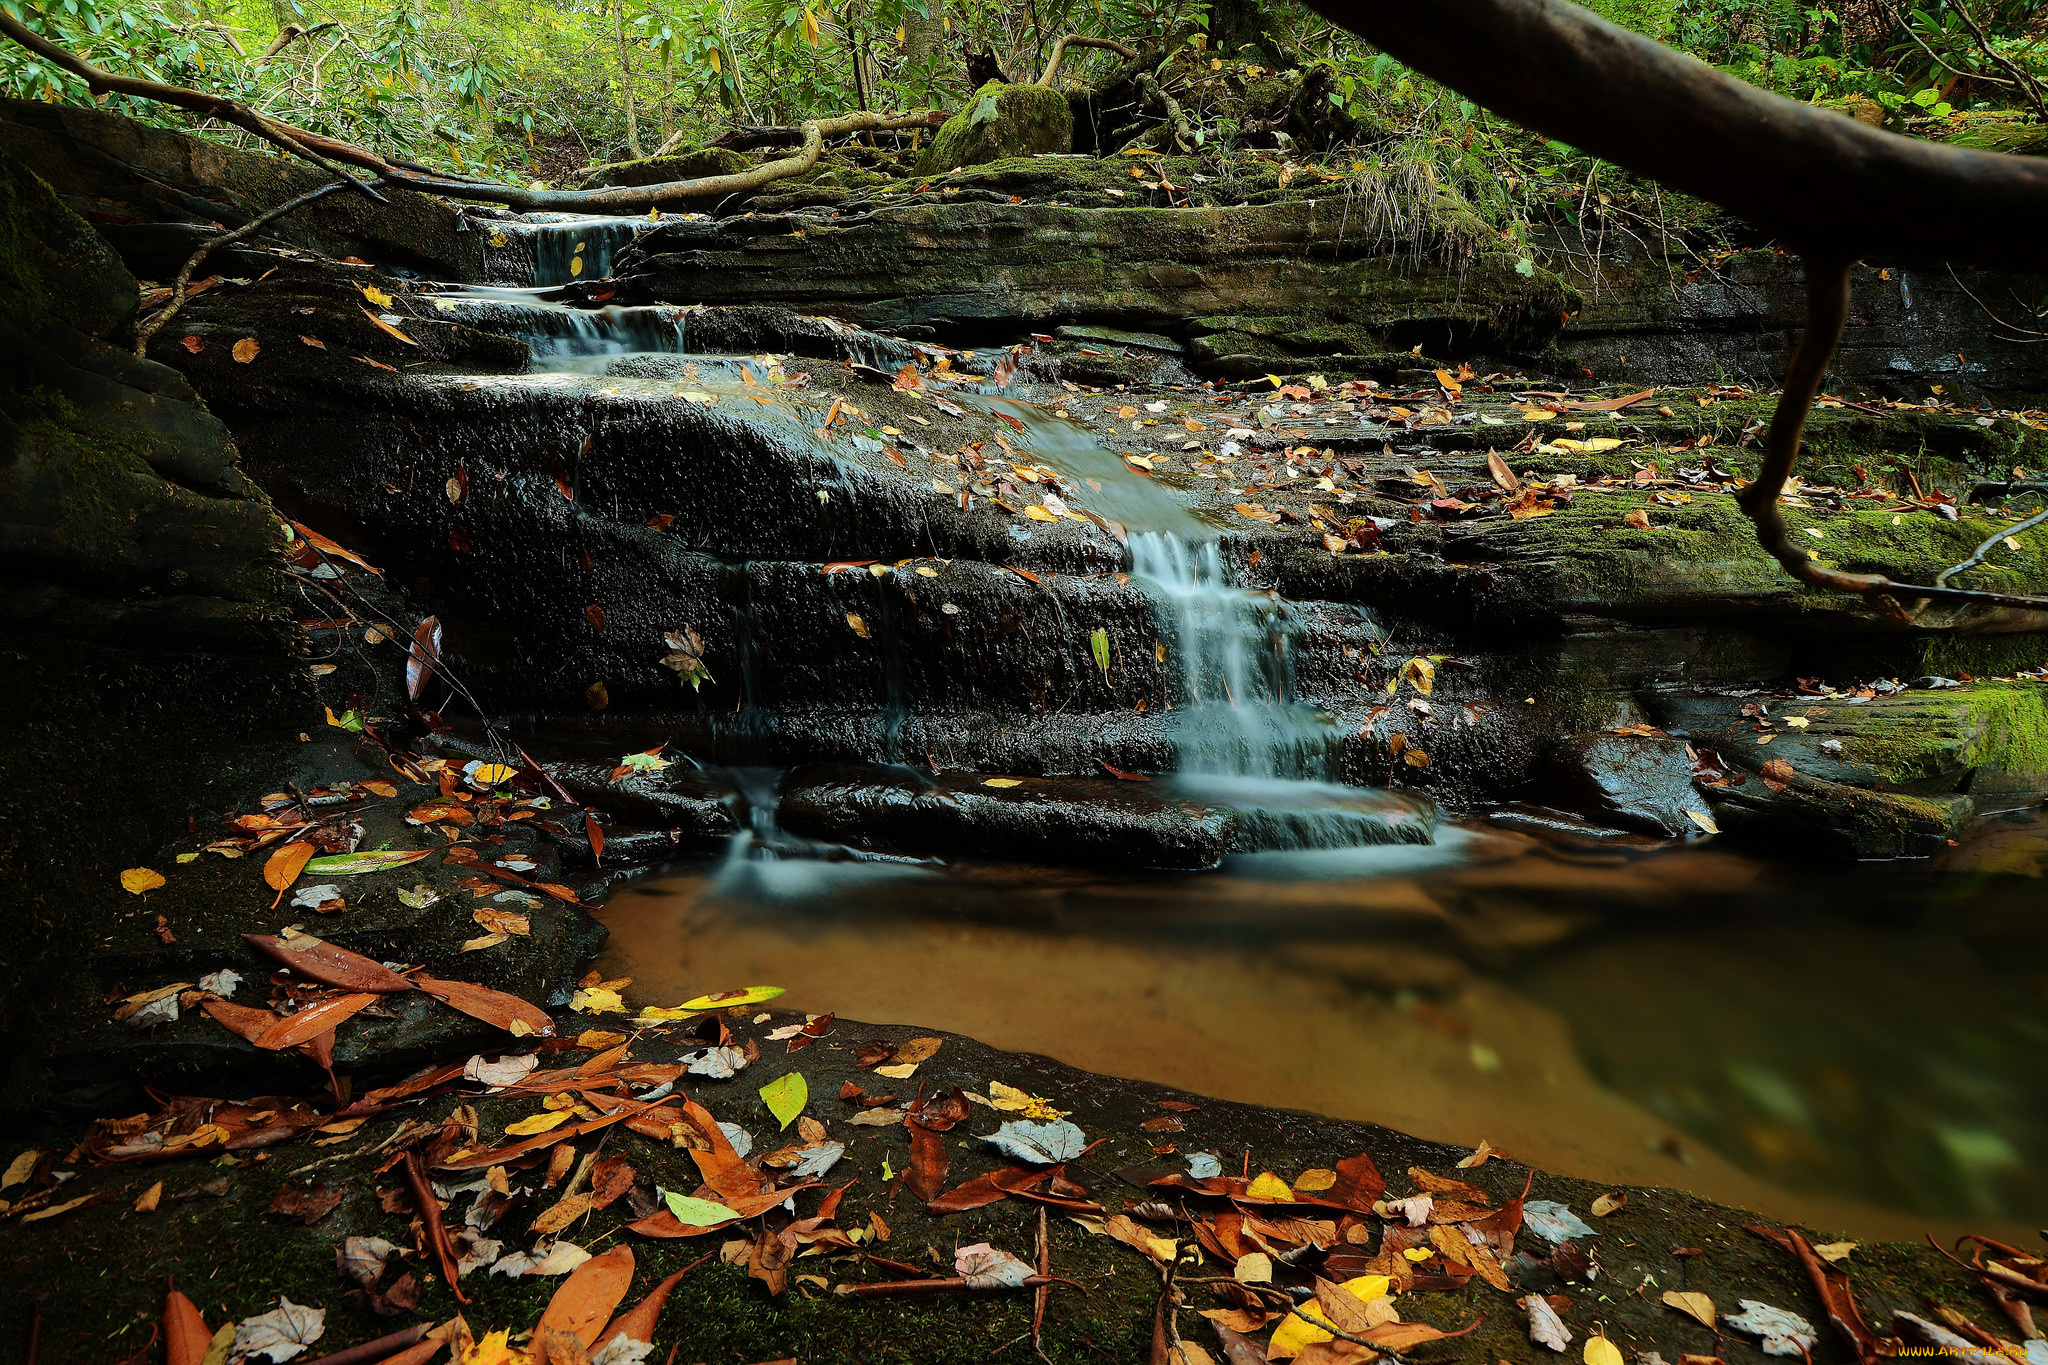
(1862, 1048)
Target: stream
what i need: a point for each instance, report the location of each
(1843, 1044)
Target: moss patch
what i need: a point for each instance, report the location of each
(1001, 121)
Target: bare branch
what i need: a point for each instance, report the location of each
(639, 198)
(1059, 50)
(100, 81)
(146, 331)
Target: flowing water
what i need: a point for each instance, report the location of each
(1859, 1048)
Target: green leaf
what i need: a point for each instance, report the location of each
(1098, 645)
(698, 1213)
(355, 864)
(786, 1096)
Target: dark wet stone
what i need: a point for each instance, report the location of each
(1641, 783)
(1163, 824)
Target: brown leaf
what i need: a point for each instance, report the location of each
(422, 656)
(284, 866)
(192, 344)
(915, 1050)
(245, 350)
(595, 615)
(563, 1213)
(315, 342)
(1502, 475)
(308, 1024)
(1445, 1187)
(1637, 518)
(1778, 774)
(308, 1202)
(586, 1300)
(185, 1333)
(508, 1012)
(639, 1321)
(320, 961)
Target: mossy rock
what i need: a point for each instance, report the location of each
(1001, 121)
(690, 163)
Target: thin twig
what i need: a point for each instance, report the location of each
(1941, 579)
(146, 331)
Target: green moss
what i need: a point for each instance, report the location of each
(688, 163)
(1001, 121)
(2000, 727)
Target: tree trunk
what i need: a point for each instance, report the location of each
(626, 81)
(1234, 24)
(923, 33)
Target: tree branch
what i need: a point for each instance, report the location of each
(100, 81)
(1059, 50)
(1818, 179)
(146, 331)
(631, 198)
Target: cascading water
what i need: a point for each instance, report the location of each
(1239, 716)
(571, 248)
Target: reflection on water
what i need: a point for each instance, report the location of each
(1858, 1047)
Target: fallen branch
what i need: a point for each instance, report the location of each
(146, 331)
(1172, 130)
(430, 1216)
(100, 81)
(1059, 50)
(639, 198)
(371, 1351)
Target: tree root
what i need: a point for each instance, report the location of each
(1172, 132)
(632, 198)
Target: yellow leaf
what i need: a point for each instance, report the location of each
(661, 1014)
(41, 1214)
(1296, 1334)
(376, 296)
(1366, 1288)
(245, 350)
(539, 1123)
(386, 328)
(1315, 1182)
(1164, 1249)
(860, 627)
(491, 774)
(1601, 1351)
(1039, 514)
(897, 1073)
(137, 880)
(1419, 1254)
(746, 995)
(1689, 1302)
(1013, 1100)
(1002, 782)
(1420, 673)
(597, 1040)
(596, 1000)
(1269, 1186)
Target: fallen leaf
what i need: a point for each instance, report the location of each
(1691, 1303)
(137, 880)
(748, 995)
(985, 1267)
(786, 1096)
(1783, 1333)
(1601, 1351)
(245, 350)
(1609, 1203)
(370, 860)
(508, 1012)
(284, 866)
(1042, 1144)
(281, 1334)
(331, 966)
(1545, 1327)
(308, 1024)
(584, 1303)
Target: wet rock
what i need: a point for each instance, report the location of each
(1890, 776)
(1641, 783)
(1177, 825)
(1000, 122)
(141, 631)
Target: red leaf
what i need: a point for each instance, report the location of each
(584, 1303)
(493, 1007)
(308, 1024)
(596, 836)
(330, 966)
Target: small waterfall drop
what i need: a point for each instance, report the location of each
(1238, 715)
(573, 247)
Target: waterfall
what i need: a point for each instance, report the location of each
(573, 247)
(1237, 714)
